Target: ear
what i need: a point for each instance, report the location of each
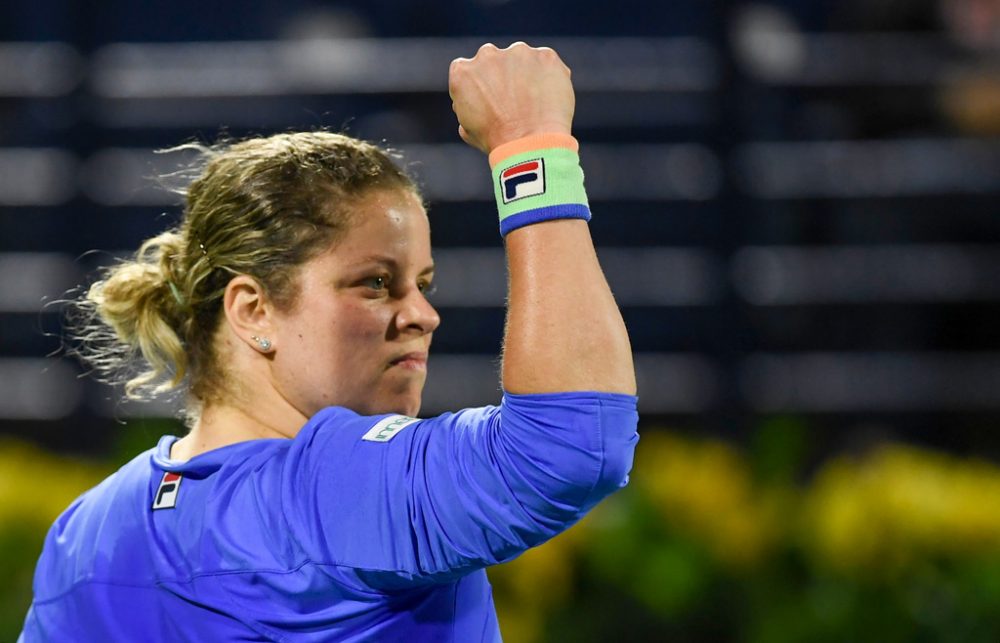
(248, 312)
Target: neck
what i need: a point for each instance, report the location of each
(223, 424)
(254, 409)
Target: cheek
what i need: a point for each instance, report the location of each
(361, 322)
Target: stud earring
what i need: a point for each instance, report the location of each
(262, 342)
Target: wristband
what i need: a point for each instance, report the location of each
(538, 178)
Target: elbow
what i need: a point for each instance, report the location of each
(605, 469)
(567, 451)
(615, 467)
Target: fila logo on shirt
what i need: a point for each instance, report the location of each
(166, 493)
(387, 428)
(522, 180)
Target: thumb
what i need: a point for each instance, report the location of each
(465, 136)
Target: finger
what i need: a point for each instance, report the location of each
(455, 70)
(552, 53)
(465, 136)
(471, 140)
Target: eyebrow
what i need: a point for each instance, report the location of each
(392, 263)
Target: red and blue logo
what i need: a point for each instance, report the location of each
(523, 180)
(166, 493)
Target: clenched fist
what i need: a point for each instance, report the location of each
(501, 95)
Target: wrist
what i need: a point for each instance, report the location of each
(538, 178)
(498, 138)
(532, 142)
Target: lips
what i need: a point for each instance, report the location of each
(416, 361)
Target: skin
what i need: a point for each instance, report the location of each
(564, 331)
(358, 335)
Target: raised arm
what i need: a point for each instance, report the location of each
(564, 330)
(444, 496)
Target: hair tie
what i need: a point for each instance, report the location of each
(176, 293)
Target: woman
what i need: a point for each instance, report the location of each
(307, 503)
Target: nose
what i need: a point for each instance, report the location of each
(418, 314)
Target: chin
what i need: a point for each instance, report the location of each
(403, 396)
(402, 406)
(411, 409)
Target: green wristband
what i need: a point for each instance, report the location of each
(539, 185)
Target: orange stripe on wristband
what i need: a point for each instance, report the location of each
(532, 142)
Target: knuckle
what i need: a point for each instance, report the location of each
(550, 55)
(521, 48)
(457, 74)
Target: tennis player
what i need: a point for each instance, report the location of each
(307, 502)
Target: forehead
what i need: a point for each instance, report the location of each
(384, 222)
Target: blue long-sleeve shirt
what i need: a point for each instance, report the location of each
(358, 529)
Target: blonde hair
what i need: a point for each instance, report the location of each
(259, 207)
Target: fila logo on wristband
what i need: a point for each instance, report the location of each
(523, 180)
(538, 178)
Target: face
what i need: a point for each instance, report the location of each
(361, 328)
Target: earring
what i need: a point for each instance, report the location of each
(262, 342)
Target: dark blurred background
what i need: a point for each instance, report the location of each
(796, 206)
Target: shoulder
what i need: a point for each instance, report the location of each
(78, 541)
(341, 426)
(131, 479)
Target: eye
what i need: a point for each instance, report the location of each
(378, 282)
(427, 288)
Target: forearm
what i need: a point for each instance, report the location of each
(564, 330)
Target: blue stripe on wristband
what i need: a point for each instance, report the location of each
(563, 211)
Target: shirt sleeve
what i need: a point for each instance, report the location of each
(450, 494)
